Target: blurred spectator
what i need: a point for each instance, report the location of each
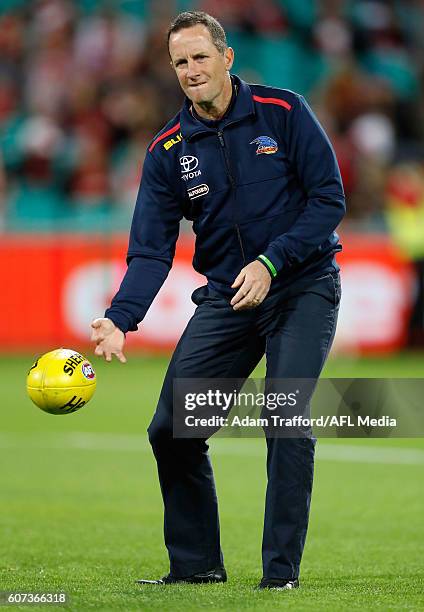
(85, 85)
(2, 193)
(38, 194)
(252, 16)
(405, 216)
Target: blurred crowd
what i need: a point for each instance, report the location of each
(85, 85)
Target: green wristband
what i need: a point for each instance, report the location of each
(269, 265)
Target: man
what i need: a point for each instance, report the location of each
(253, 169)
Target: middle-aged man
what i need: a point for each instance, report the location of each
(254, 171)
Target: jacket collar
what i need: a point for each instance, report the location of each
(243, 107)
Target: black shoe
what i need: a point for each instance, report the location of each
(215, 575)
(278, 584)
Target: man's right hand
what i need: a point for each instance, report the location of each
(109, 339)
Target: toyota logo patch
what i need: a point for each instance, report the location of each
(188, 163)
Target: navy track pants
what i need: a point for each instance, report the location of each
(294, 328)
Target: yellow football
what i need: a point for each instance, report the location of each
(61, 381)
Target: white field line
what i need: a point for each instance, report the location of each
(245, 447)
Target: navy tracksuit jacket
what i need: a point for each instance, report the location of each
(262, 183)
(265, 183)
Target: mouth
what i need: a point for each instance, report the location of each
(196, 85)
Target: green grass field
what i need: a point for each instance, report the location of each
(81, 509)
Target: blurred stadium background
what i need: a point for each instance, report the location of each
(84, 87)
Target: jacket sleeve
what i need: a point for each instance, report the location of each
(153, 236)
(315, 163)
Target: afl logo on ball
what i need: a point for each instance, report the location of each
(87, 370)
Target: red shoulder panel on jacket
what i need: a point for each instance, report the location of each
(164, 135)
(276, 101)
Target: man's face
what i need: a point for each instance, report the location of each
(201, 69)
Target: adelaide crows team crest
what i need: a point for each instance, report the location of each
(265, 144)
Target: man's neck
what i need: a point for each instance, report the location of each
(216, 110)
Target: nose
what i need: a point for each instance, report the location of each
(192, 69)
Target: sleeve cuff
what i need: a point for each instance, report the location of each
(268, 265)
(120, 321)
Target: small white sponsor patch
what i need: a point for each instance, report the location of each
(188, 163)
(199, 190)
(191, 175)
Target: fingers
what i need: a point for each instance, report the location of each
(97, 334)
(97, 337)
(96, 325)
(241, 294)
(121, 357)
(254, 282)
(239, 279)
(251, 300)
(109, 340)
(249, 295)
(102, 351)
(102, 327)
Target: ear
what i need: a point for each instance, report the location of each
(229, 57)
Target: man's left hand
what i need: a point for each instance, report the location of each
(254, 281)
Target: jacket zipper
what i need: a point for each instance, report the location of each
(233, 187)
